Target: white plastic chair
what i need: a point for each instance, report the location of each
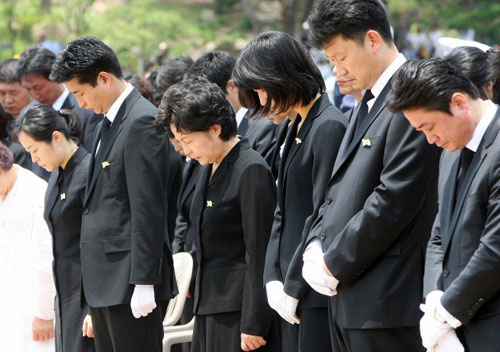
(177, 334)
(183, 267)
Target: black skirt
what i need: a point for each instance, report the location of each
(221, 333)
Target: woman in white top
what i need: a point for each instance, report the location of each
(26, 284)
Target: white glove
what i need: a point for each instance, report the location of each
(283, 304)
(314, 273)
(431, 329)
(274, 290)
(288, 309)
(448, 343)
(143, 300)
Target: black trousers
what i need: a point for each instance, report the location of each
(116, 329)
(312, 334)
(373, 340)
(221, 333)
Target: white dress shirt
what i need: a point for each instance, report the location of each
(57, 105)
(240, 115)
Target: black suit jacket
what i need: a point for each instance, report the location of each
(123, 241)
(306, 165)
(89, 121)
(377, 218)
(261, 135)
(232, 214)
(463, 256)
(281, 133)
(174, 182)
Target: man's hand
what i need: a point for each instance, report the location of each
(43, 330)
(448, 343)
(313, 271)
(143, 300)
(88, 328)
(251, 342)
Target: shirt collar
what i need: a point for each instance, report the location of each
(385, 78)
(482, 126)
(113, 110)
(240, 115)
(57, 105)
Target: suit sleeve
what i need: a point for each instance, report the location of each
(266, 141)
(271, 269)
(409, 166)
(180, 231)
(329, 137)
(433, 259)
(478, 282)
(257, 202)
(146, 156)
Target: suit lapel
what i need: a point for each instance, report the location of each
(286, 150)
(67, 102)
(377, 108)
(449, 191)
(243, 127)
(476, 162)
(114, 131)
(51, 198)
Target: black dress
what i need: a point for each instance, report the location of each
(232, 214)
(63, 212)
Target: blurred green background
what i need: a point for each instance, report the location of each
(146, 32)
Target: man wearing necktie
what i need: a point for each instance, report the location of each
(127, 268)
(366, 247)
(461, 282)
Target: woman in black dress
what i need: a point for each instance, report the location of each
(51, 138)
(231, 213)
(276, 75)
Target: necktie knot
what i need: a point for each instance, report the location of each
(106, 124)
(367, 96)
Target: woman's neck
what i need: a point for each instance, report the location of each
(303, 110)
(70, 148)
(227, 146)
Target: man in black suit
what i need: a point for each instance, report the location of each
(126, 261)
(217, 67)
(461, 282)
(33, 68)
(366, 247)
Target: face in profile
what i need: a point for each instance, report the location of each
(45, 154)
(177, 146)
(13, 97)
(89, 97)
(202, 146)
(353, 62)
(450, 132)
(41, 89)
(274, 116)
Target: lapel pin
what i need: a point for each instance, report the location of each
(298, 140)
(63, 196)
(105, 164)
(210, 204)
(366, 142)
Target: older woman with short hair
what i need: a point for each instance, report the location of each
(232, 214)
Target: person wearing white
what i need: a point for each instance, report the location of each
(27, 291)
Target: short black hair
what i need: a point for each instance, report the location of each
(84, 59)
(36, 60)
(172, 72)
(429, 85)
(494, 72)
(8, 71)
(350, 19)
(40, 121)
(216, 66)
(195, 105)
(6, 158)
(473, 62)
(278, 64)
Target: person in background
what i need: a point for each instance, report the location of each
(51, 137)
(494, 72)
(27, 293)
(13, 96)
(232, 214)
(313, 140)
(21, 157)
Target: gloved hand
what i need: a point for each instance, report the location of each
(274, 290)
(288, 309)
(143, 300)
(431, 329)
(448, 343)
(314, 273)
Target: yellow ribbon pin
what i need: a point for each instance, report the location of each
(210, 204)
(366, 142)
(105, 164)
(298, 140)
(63, 196)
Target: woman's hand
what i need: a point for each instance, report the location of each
(251, 342)
(88, 328)
(43, 330)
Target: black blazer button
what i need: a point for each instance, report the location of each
(85, 211)
(328, 201)
(322, 235)
(446, 272)
(470, 312)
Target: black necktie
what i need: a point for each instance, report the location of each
(106, 124)
(466, 156)
(362, 113)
